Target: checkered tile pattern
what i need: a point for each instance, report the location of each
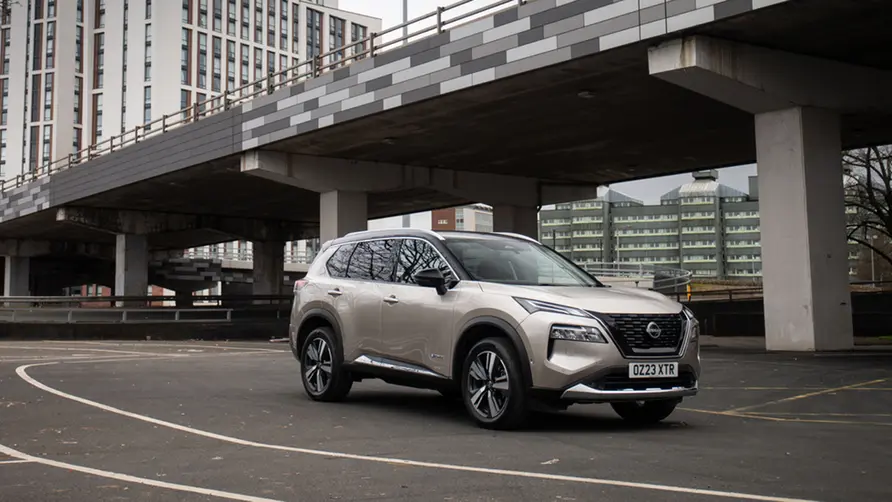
(24, 200)
(537, 34)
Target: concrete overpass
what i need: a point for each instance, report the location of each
(538, 103)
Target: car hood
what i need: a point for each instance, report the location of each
(608, 300)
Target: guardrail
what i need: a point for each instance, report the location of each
(247, 256)
(755, 292)
(652, 276)
(339, 57)
(142, 302)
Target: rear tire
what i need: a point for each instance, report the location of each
(321, 367)
(492, 385)
(645, 412)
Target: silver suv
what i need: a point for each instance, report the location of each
(499, 320)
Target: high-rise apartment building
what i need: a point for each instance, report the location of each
(76, 72)
(703, 226)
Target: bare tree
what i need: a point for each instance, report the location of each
(869, 198)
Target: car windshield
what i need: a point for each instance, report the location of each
(513, 261)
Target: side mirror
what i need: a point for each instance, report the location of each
(431, 278)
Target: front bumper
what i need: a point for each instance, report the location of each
(614, 386)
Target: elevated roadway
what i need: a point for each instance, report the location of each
(540, 102)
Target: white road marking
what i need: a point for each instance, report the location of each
(83, 349)
(24, 457)
(20, 461)
(22, 372)
(198, 346)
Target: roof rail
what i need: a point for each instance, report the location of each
(398, 229)
(519, 236)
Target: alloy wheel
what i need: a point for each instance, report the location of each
(317, 366)
(488, 384)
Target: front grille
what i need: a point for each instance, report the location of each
(631, 335)
(621, 381)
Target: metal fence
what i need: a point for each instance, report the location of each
(640, 275)
(243, 255)
(444, 18)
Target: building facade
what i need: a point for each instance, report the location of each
(77, 72)
(471, 218)
(703, 226)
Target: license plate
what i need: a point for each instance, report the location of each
(653, 370)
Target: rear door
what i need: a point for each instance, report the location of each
(416, 322)
(351, 289)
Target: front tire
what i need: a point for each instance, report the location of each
(321, 367)
(492, 385)
(645, 412)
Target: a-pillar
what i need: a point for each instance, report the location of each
(269, 267)
(797, 102)
(131, 266)
(17, 276)
(342, 212)
(521, 220)
(805, 271)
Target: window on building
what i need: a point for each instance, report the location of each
(202, 60)
(148, 55)
(36, 60)
(218, 65)
(47, 153)
(78, 100)
(98, 60)
(295, 28)
(148, 9)
(35, 145)
(185, 57)
(4, 105)
(48, 97)
(50, 45)
(79, 16)
(99, 17)
(50, 9)
(218, 16)
(314, 33)
(97, 118)
(147, 105)
(79, 49)
(5, 49)
(202, 13)
(336, 33)
(2, 152)
(357, 33)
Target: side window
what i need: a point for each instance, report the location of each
(416, 255)
(372, 260)
(337, 264)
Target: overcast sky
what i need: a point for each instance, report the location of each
(391, 12)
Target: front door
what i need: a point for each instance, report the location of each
(416, 322)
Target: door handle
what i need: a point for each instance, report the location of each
(335, 292)
(391, 299)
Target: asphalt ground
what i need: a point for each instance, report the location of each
(191, 421)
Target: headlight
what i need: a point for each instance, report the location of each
(533, 306)
(694, 323)
(578, 333)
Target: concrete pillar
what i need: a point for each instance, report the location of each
(804, 250)
(516, 219)
(269, 267)
(131, 265)
(17, 276)
(342, 212)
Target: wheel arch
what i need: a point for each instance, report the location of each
(316, 318)
(484, 327)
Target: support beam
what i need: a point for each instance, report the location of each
(757, 80)
(131, 265)
(523, 220)
(797, 102)
(117, 221)
(804, 250)
(17, 276)
(269, 267)
(323, 175)
(342, 212)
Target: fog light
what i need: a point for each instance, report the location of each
(578, 334)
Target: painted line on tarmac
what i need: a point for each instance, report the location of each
(18, 461)
(24, 457)
(84, 349)
(185, 345)
(22, 371)
(807, 395)
(767, 417)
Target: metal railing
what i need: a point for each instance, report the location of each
(334, 59)
(640, 275)
(242, 255)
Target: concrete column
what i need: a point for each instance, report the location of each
(804, 250)
(516, 219)
(269, 267)
(342, 212)
(131, 265)
(17, 276)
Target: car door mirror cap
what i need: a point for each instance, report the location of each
(431, 278)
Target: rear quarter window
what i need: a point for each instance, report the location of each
(337, 264)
